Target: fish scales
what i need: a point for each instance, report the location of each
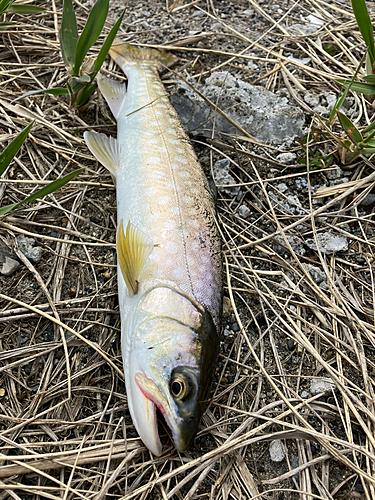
(169, 279)
(169, 197)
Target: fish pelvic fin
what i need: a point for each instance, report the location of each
(124, 54)
(133, 250)
(114, 93)
(106, 150)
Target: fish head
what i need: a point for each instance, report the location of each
(171, 367)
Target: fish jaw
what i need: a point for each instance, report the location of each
(143, 412)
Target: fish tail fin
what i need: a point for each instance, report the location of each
(124, 55)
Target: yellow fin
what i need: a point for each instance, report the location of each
(114, 93)
(133, 250)
(106, 149)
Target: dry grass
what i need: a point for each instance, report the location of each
(65, 430)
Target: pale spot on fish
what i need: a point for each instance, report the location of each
(175, 210)
(151, 191)
(170, 224)
(157, 174)
(181, 159)
(171, 247)
(153, 217)
(178, 272)
(153, 159)
(170, 131)
(162, 149)
(188, 200)
(164, 200)
(183, 174)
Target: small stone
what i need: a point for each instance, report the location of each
(317, 275)
(311, 99)
(2, 393)
(235, 327)
(329, 243)
(322, 385)
(368, 200)
(26, 246)
(244, 212)
(291, 344)
(72, 292)
(294, 465)
(199, 13)
(295, 242)
(107, 275)
(223, 178)
(277, 450)
(304, 395)
(282, 187)
(336, 173)
(286, 158)
(216, 27)
(8, 262)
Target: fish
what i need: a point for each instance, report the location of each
(168, 251)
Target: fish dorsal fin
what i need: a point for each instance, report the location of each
(106, 149)
(114, 93)
(133, 250)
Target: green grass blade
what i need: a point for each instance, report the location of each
(24, 9)
(53, 91)
(50, 188)
(106, 46)
(362, 88)
(353, 133)
(68, 35)
(365, 26)
(4, 5)
(91, 31)
(13, 147)
(85, 94)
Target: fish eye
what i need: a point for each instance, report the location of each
(180, 387)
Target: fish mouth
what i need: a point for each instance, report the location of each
(148, 428)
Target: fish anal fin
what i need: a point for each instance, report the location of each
(133, 250)
(114, 93)
(106, 150)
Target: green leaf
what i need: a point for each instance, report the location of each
(68, 35)
(353, 133)
(53, 91)
(77, 84)
(24, 9)
(85, 94)
(50, 188)
(341, 99)
(91, 32)
(369, 150)
(13, 147)
(369, 79)
(106, 46)
(4, 26)
(365, 26)
(362, 88)
(4, 5)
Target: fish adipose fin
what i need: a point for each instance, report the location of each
(124, 54)
(133, 250)
(106, 150)
(114, 93)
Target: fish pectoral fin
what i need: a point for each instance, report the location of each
(114, 93)
(133, 250)
(106, 150)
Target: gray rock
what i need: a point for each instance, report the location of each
(8, 262)
(368, 201)
(317, 275)
(26, 246)
(336, 173)
(266, 116)
(295, 242)
(277, 450)
(223, 178)
(286, 158)
(199, 13)
(304, 395)
(322, 385)
(303, 29)
(244, 212)
(282, 187)
(216, 27)
(301, 183)
(311, 99)
(329, 243)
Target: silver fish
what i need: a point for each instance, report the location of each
(168, 247)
